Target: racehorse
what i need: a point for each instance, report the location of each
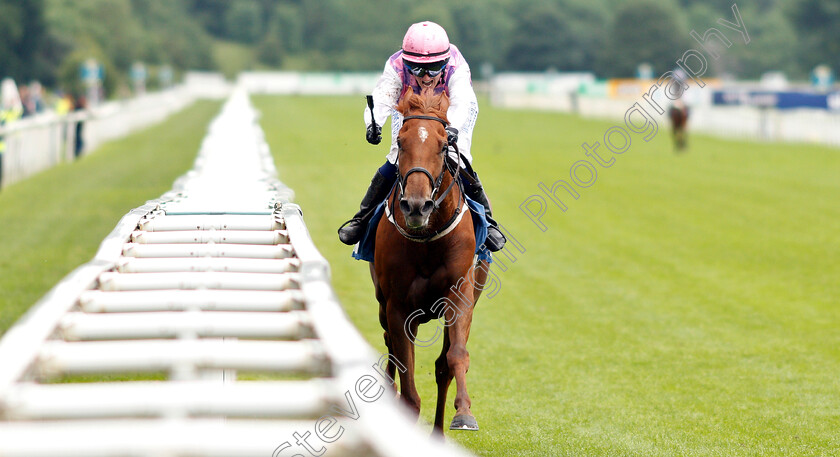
(679, 118)
(424, 264)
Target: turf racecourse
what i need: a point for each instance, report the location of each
(683, 305)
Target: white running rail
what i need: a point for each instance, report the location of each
(218, 276)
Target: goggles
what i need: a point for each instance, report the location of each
(432, 69)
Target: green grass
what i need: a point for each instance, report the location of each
(684, 305)
(54, 221)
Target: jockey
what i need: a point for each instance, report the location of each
(426, 60)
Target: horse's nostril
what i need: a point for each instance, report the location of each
(404, 206)
(428, 207)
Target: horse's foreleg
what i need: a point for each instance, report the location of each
(402, 347)
(458, 360)
(479, 278)
(390, 368)
(443, 377)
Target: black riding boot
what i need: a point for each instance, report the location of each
(351, 231)
(495, 238)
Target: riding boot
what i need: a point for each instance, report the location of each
(351, 231)
(495, 238)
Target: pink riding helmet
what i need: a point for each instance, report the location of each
(425, 42)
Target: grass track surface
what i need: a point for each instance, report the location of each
(683, 305)
(54, 221)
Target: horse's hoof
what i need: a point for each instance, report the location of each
(464, 422)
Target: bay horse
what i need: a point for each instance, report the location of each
(424, 264)
(679, 118)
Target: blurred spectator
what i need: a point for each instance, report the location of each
(64, 104)
(81, 105)
(28, 108)
(11, 106)
(36, 97)
(32, 98)
(11, 110)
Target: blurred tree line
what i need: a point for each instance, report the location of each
(49, 39)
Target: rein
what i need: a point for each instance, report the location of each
(459, 212)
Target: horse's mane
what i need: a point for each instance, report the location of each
(425, 103)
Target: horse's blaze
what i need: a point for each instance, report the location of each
(423, 134)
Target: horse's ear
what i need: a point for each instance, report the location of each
(444, 102)
(409, 101)
(403, 105)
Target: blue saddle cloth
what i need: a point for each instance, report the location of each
(364, 250)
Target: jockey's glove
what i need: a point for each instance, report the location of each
(451, 135)
(374, 134)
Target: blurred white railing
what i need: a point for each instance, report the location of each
(296, 83)
(119, 118)
(36, 143)
(745, 122)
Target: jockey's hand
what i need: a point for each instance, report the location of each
(451, 135)
(374, 134)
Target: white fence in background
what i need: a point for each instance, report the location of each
(36, 143)
(294, 83)
(117, 119)
(218, 275)
(548, 91)
(553, 93)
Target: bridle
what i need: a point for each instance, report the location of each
(436, 183)
(401, 179)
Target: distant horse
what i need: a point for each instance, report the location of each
(423, 265)
(679, 118)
